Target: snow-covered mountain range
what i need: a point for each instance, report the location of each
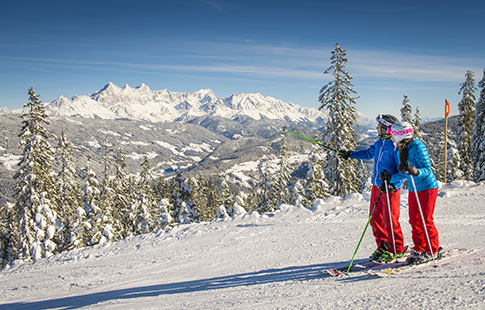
(142, 103)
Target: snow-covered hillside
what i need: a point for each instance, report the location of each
(142, 103)
(269, 261)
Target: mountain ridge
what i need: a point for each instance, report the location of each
(142, 103)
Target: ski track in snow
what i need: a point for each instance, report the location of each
(254, 261)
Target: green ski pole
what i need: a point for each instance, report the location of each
(310, 140)
(365, 229)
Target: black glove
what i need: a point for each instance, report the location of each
(385, 176)
(390, 187)
(409, 169)
(344, 154)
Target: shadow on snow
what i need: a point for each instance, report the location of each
(295, 273)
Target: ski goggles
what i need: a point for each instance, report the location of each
(382, 121)
(400, 133)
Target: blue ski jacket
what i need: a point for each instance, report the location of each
(418, 157)
(385, 157)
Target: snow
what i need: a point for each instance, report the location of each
(239, 171)
(269, 261)
(203, 147)
(138, 156)
(170, 147)
(95, 144)
(10, 161)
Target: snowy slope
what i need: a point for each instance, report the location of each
(142, 103)
(261, 262)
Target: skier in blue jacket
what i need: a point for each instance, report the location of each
(415, 165)
(385, 161)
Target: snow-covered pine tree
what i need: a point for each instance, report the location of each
(182, 201)
(466, 107)
(240, 204)
(5, 221)
(69, 192)
(252, 201)
(226, 199)
(437, 157)
(267, 197)
(316, 187)
(213, 201)
(417, 124)
(35, 213)
(121, 199)
(454, 160)
(198, 195)
(162, 189)
(478, 138)
(336, 98)
(130, 216)
(111, 218)
(165, 217)
(406, 110)
(90, 218)
(298, 195)
(284, 174)
(145, 200)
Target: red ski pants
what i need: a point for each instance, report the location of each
(427, 199)
(381, 224)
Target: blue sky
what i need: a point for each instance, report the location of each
(276, 48)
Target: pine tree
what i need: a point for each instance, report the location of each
(226, 198)
(35, 218)
(90, 218)
(316, 187)
(145, 200)
(213, 201)
(298, 195)
(336, 98)
(165, 217)
(454, 160)
(240, 205)
(5, 222)
(284, 174)
(478, 138)
(406, 110)
(466, 108)
(267, 195)
(182, 201)
(121, 198)
(70, 193)
(417, 124)
(111, 217)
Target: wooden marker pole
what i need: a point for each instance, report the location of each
(447, 112)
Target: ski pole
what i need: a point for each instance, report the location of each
(424, 223)
(310, 140)
(390, 219)
(365, 229)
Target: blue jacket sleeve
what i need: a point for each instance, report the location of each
(364, 154)
(422, 161)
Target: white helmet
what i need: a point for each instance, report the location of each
(401, 131)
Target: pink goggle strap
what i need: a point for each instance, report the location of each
(400, 133)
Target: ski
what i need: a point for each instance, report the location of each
(336, 272)
(365, 266)
(404, 267)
